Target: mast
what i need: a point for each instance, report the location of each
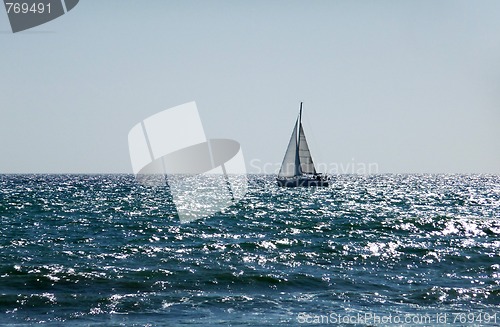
(299, 126)
(298, 169)
(305, 159)
(300, 114)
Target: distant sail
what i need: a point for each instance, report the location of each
(306, 161)
(297, 168)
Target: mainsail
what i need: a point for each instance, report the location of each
(291, 162)
(306, 161)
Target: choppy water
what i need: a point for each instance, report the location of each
(102, 250)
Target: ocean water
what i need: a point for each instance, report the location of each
(382, 250)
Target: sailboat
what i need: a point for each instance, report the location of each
(297, 168)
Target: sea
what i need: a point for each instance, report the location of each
(369, 250)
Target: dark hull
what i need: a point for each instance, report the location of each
(302, 182)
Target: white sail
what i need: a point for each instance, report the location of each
(291, 165)
(306, 162)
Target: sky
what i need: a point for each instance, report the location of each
(410, 86)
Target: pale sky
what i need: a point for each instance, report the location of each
(413, 86)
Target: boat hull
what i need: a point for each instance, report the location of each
(302, 182)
